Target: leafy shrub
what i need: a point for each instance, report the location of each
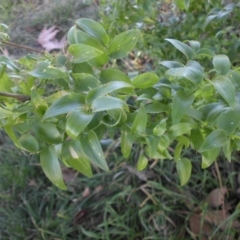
(61, 106)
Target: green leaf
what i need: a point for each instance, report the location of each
(106, 89)
(227, 150)
(93, 28)
(77, 122)
(221, 64)
(127, 140)
(140, 122)
(160, 129)
(83, 53)
(145, 80)
(208, 20)
(177, 151)
(123, 43)
(192, 74)
(51, 166)
(179, 129)
(182, 47)
(72, 153)
(47, 132)
(110, 75)
(209, 157)
(92, 149)
(108, 103)
(171, 64)
(76, 36)
(4, 113)
(184, 169)
(181, 104)
(215, 139)
(229, 120)
(12, 136)
(45, 71)
(152, 143)
(29, 143)
(142, 162)
(196, 138)
(84, 82)
(65, 104)
(225, 88)
(156, 107)
(9, 63)
(205, 52)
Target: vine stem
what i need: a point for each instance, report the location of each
(20, 46)
(19, 97)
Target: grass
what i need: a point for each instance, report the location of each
(120, 204)
(26, 18)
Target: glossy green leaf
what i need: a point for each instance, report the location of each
(181, 103)
(215, 139)
(110, 75)
(229, 120)
(51, 166)
(177, 151)
(171, 64)
(123, 43)
(12, 136)
(190, 73)
(225, 88)
(64, 105)
(160, 129)
(152, 144)
(127, 140)
(145, 80)
(156, 107)
(205, 52)
(84, 82)
(82, 53)
(108, 103)
(106, 89)
(208, 20)
(29, 143)
(184, 169)
(92, 149)
(140, 122)
(72, 153)
(76, 36)
(47, 132)
(93, 28)
(77, 122)
(45, 71)
(209, 157)
(221, 64)
(179, 129)
(182, 47)
(196, 138)
(142, 162)
(4, 113)
(227, 150)
(9, 63)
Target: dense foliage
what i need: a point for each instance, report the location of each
(62, 106)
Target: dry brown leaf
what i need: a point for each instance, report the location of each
(216, 197)
(69, 175)
(47, 39)
(197, 227)
(86, 192)
(98, 189)
(216, 217)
